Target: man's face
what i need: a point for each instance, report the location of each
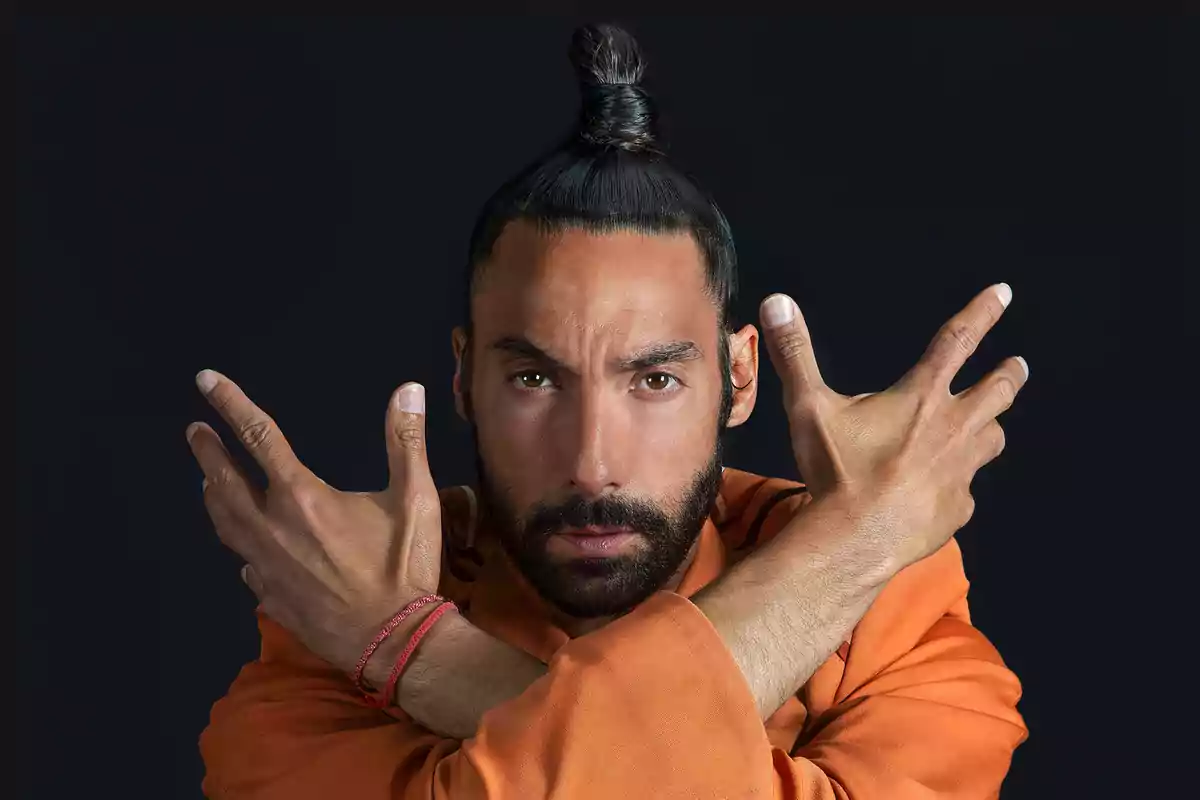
(595, 388)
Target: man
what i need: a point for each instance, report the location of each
(633, 619)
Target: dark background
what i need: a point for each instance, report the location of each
(289, 202)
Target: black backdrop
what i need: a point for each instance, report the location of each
(289, 202)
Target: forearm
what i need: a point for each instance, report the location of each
(457, 674)
(636, 703)
(783, 611)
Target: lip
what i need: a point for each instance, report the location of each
(593, 543)
(596, 530)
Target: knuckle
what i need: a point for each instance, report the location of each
(791, 344)
(255, 433)
(961, 336)
(927, 408)
(963, 505)
(411, 438)
(307, 500)
(220, 479)
(1007, 391)
(966, 509)
(997, 439)
(803, 407)
(304, 498)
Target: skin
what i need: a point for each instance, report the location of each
(889, 472)
(563, 410)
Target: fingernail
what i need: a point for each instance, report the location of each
(777, 310)
(1024, 366)
(191, 431)
(1004, 292)
(206, 380)
(412, 399)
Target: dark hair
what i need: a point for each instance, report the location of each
(611, 173)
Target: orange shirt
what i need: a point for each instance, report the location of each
(917, 704)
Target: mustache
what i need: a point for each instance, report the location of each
(579, 512)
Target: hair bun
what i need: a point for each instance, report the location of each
(616, 111)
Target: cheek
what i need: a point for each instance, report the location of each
(522, 440)
(675, 440)
(515, 445)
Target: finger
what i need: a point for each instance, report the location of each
(988, 444)
(234, 528)
(408, 463)
(959, 338)
(251, 578)
(221, 474)
(790, 346)
(256, 430)
(995, 394)
(231, 501)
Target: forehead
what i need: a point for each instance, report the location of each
(637, 286)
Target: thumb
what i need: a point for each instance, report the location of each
(790, 347)
(408, 463)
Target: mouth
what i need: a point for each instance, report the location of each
(594, 541)
(595, 530)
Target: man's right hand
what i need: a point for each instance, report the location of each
(330, 566)
(911, 451)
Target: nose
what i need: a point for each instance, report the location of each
(594, 469)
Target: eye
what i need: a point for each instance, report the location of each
(531, 379)
(660, 382)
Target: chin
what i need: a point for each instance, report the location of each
(596, 587)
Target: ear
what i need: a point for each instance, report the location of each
(743, 369)
(459, 341)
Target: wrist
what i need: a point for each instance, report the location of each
(879, 528)
(851, 532)
(379, 666)
(785, 608)
(459, 673)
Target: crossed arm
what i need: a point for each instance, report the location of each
(669, 700)
(923, 707)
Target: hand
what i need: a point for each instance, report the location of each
(332, 567)
(914, 448)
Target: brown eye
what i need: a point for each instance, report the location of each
(531, 379)
(659, 381)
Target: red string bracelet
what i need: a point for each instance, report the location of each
(389, 691)
(385, 633)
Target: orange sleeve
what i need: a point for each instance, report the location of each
(651, 705)
(925, 706)
(917, 704)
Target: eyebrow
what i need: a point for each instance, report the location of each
(653, 355)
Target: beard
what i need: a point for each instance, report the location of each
(613, 585)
